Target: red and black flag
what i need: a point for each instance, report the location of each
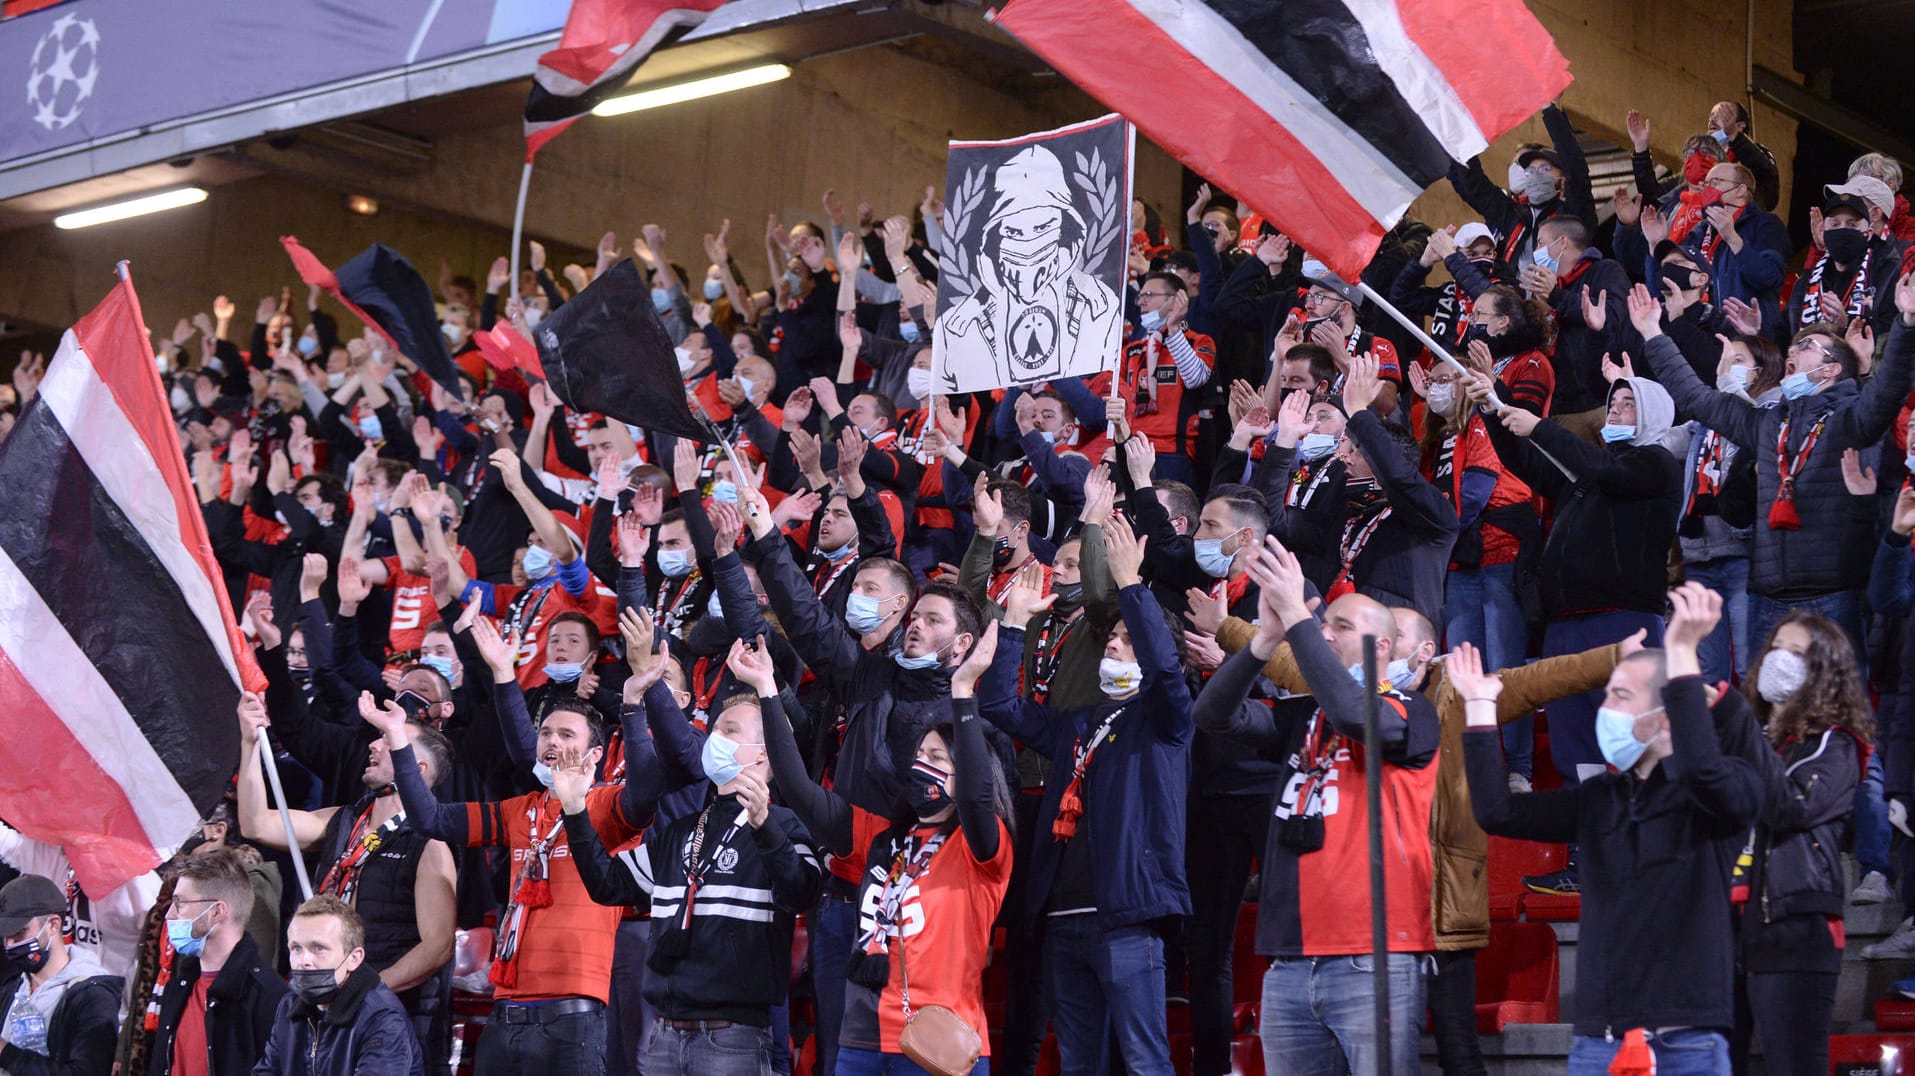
(606, 350)
(382, 289)
(603, 42)
(120, 662)
(1326, 116)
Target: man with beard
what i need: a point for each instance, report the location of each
(1035, 314)
(399, 881)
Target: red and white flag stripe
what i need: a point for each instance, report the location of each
(120, 658)
(1328, 121)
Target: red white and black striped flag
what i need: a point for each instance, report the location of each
(120, 662)
(1326, 116)
(603, 42)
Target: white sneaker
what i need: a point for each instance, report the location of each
(1872, 889)
(1897, 946)
(1519, 783)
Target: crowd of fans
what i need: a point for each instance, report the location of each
(1059, 675)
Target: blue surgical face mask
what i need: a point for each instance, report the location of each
(908, 331)
(179, 932)
(714, 289)
(1356, 672)
(542, 774)
(369, 427)
(840, 553)
(1616, 736)
(1315, 446)
(725, 492)
(1613, 432)
(1211, 557)
(1399, 674)
(1049, 437)
(928, 661)
(1541, 256)
(1734, 379)
(661, 300)
(720, 760)
(1151, 321)
(308, 346)
(565, 672)
(675, 563)
(539, 562)
(794, 282)
(1799, 384)
(1720, 136)
(440, 665)
(863, 613)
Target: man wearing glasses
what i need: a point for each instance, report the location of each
(1744, 247)
(216, 1009)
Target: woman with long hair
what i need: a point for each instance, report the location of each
(935, 869)
(1811, 701)
(1511, 336)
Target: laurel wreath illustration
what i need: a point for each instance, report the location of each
(1098, 191)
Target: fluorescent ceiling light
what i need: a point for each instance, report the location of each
(132, 207)
(692, 91)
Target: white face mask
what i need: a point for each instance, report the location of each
(533, 316)
(1783, 674)
(917, 381)
(1116, 678)
(686, 364)
(1735, 379)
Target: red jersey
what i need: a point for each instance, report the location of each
(565, 948)
(1000, 585)
(529, 609)
(943, 929)
(1146, 361)
(1318, 903)
(412, 604)
(1472, 451)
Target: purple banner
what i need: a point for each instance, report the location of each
(88, 69)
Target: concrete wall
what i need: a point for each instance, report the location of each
(871, 123)
(1671, 59)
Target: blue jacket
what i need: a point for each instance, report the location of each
(1135, 785)
(1755, 273)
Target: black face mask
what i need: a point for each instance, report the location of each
(315, 986)
(29, 956)
(1846, 245)
(1001, 551)
(1683, 277)
(924, 789)
(1500, 347)
(1069, 595)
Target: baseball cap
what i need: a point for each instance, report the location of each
(1315, 272)
(1524, 159)
(26, 898)
(1867, 190)
(1471, 232)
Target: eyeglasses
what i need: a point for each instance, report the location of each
(1810, 345)
(1319, 298)
(1724, 185)
(1154, 294)
(177, 902)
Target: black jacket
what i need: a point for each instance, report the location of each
(1827, 554)
(1647, 960)
(80, 1036)
(1515, 222)
(1311, 527)
(1579, 348)
(240, 1009)
(1408, 557)
(1609, 544)
(363, 1032)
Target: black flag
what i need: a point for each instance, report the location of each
(606, 351)
(383, 284)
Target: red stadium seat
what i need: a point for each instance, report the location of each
(1510, 862)
(1895, 1014)
(1861, 1055)
(1517, 977)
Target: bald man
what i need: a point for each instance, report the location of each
(1319, 1016)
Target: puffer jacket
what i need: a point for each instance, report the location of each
(1459, 888)
(1820, 558)
(1616, 507)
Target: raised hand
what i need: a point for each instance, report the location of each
(259, 614)
(643, 652)
(752, 666)
(634, 539)
(851, 451)
(572, 780)
(1638, 127)
(1612, 373)
(964, 680)
(252, 717)
(797, 409)
(1645, 313)
(798, 506)
(1745, 318)
(1026, 597)
(313, 571)
(501, 653)
(1362, 383)
(1206, 611)
(1596, 309)
(1272, 250)
(1860, 480)
(1100, 494)
(499, 275)
(685, 465)
(805, 451)
(1124, 552)
(727, 523)
(389, 719)
(1202, 652)
(1627, 205)
(1694, 612)
(1464, 668)
(987, 510)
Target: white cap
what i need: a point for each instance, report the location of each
(1471, 232)
(1869, 189)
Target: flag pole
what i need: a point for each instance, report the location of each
(518, 224)
(1379, 917)
(1416, 330)
(271, 766)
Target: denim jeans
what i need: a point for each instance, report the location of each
(573, 1044)
(628, 1017)
(1319, 1015)
(1844, 607)
(1872, 831)
(728, 1051)
(1727, 647)
(1480, 608)
(832, 935)
(1106, 985)
(1688, 1052)
(855, 1062)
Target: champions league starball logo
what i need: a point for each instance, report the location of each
(66, 64)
